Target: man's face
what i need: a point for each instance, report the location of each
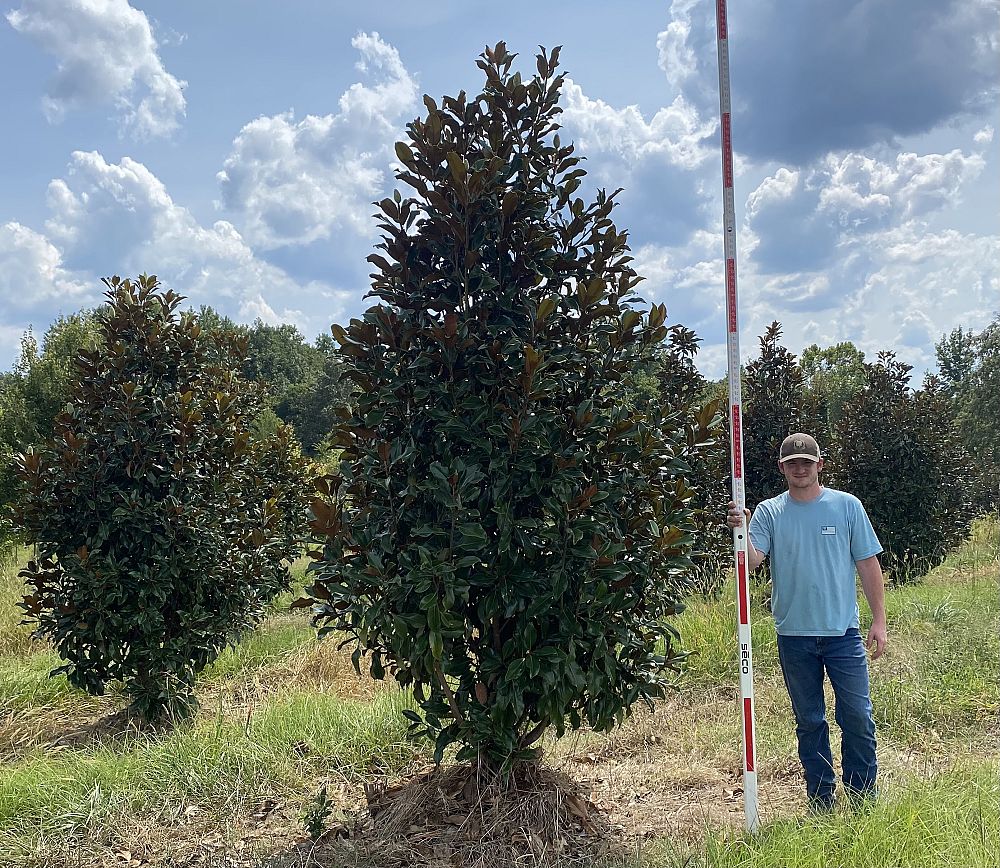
(801, 472)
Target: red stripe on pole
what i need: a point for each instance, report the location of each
(748, 731)
(737, 443)
(720, 18)
(741, 581)
(727, 152)
(731, 293)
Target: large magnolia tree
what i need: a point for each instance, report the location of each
(505, 533)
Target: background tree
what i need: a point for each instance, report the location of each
(312, 406)
(834, 375)
(774, 405)
(506, 536)
(303, 382)
(957, 356)
(903, 458)
(675, 383)
(36, 389)
(161, 529)
(970, 369)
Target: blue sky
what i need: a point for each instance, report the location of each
(234, 148)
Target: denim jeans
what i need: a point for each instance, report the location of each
(803, 661)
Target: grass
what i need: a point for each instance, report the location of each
(283, 716)
(950, 819)
(301, 736)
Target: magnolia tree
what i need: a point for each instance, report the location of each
(903, 456)
(505, 534)
(161, 528)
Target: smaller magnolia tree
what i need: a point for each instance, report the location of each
(903, 456)
(161, 528)
(506, 535)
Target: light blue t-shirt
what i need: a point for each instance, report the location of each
(813, 547)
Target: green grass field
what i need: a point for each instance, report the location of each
(283, 716)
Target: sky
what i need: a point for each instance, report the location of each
(235, 147)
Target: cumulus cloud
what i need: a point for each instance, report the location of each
(289, 182)
(33, 275)
(119, 218)
(689, 280)
(105, 52)
(658, 162)
(914, 286)
(802, 219)
(812, 76)
(917, 330)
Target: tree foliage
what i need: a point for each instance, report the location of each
(969, 364)
(834, 375)
(160, 526)
(775, 404)
(37, 388)
(675, 383)
(506, 535)
(902, 457)
(302, 383)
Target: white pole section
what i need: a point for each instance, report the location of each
(736, 428)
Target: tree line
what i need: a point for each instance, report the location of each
(925, 459)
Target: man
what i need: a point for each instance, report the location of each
(817, 538)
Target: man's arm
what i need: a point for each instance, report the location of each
(733, 520)
(872, 584)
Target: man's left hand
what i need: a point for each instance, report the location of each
(876, 640)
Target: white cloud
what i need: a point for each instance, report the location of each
(677, 57)
(32, 274)
(913, 185)
(916, 331)
(804, 220)
(289, 182)
(106, 52)
(675, 132)
(660, 162)
(119, 218)
(900, 289)
(780, 186)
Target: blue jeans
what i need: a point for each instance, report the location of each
(803, 661)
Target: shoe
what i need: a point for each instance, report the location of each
(824, 804)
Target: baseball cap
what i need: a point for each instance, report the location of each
(799, 446)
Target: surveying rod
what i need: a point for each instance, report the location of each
(736, 428)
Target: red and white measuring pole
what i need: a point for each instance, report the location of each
(736, 429)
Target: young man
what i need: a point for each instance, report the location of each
(817, 538)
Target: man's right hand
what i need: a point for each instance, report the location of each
(733, 517)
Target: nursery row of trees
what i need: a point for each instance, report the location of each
(923, 460)
(955, 412)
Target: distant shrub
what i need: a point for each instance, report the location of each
(161, 526)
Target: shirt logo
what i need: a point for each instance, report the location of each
(828, 530)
